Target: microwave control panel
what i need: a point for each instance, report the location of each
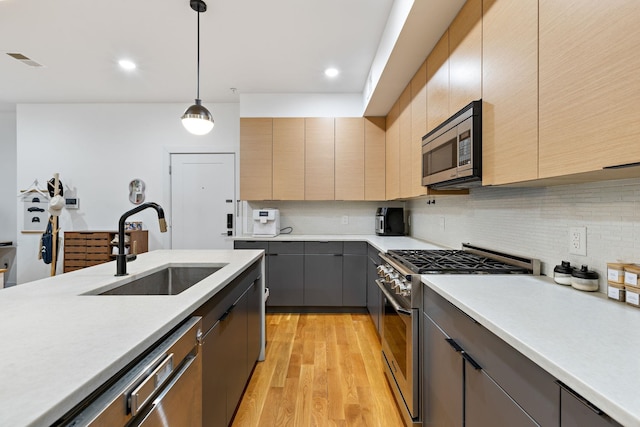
(464, 148)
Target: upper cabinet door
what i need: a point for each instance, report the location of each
(288, 159)
(256, 158)
(405, 143)
(319, 159)
(374, 158)
(349, 158)
(392, 149)
(438, 83)
(418, 128)
(509, 91)
(465, 56)
(589, 82)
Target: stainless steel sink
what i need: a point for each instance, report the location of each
(169, 281)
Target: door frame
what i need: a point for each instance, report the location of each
(166, 179)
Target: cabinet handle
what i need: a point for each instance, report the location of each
(337, 254)
(470, 360)
(581, 399)
(226, 313)
(454, 344)
(626, 165)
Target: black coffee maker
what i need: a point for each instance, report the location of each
(390, 222)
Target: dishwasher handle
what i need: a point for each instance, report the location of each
(147, 388)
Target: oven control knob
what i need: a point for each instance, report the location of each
(402, 286)
(397, 284)
(391, 276)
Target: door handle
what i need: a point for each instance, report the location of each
(229, 220)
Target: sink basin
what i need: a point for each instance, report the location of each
(169, 281)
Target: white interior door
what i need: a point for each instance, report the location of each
(202, 201)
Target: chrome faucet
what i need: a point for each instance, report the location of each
(121, 258)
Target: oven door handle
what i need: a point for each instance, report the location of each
(392, 300)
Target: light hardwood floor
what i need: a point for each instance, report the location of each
(320, 370)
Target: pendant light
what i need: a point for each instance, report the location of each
(197, 119)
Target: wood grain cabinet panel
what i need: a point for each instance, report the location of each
(256, 166)
(589, 83)
(374, 158)
(319, 169)
(418, 128)
(405, 143)
(465, 56)
(509, 91)
(392, 153)
(288, 158)
(438, 83)
(350, 159)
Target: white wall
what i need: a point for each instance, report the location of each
(535, 222)
(98, 149)
(8, 191)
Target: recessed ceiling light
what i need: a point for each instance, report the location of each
(331, 72)
(125, 64)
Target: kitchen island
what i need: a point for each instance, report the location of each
(61, 341)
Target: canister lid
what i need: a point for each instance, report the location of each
(584, 273)
(564, 268)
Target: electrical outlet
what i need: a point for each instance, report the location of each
(578, 241)
(345, 220)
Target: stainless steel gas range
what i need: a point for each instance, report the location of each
(399, 280)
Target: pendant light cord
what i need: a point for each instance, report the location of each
(198, 60)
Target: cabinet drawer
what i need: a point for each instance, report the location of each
(97, 249)
(373, 254)
(70, 235)
(250, 244)
(355, 248)
(322, 247)
(98, 257)
(97, 236)
(286, 247)
(74, 249)
(75, 242)
(74, 256)
(527, 383)
(74, 263)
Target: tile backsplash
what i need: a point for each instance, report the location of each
(535, 222)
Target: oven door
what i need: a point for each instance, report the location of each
(399, 348)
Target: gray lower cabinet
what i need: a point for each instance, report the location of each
(314, 273)
(500, 387)
(374, 294)
(354, 274)
(323, 274)
(442, 391)
(286, 274)
(230, 346)
(575, 411)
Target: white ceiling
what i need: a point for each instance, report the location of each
(256, 46)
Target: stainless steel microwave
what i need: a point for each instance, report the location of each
(452, 152)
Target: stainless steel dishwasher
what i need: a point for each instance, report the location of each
(162, 389)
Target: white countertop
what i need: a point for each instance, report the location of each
(382, 243)
(57, 345)
(583, 339)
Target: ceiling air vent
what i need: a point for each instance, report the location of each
(24, 59)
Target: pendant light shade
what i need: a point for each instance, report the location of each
(197, 119)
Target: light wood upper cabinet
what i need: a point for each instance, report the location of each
(509, 91)
(319, 159)
(465, 56)
(349, 184)
(288, 158)
(418, 128)
(392, 156)
(256, 158)
(405, 143)
(374, 158)
(438, 83)
(589, 82)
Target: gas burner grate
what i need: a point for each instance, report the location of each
(452, 261)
